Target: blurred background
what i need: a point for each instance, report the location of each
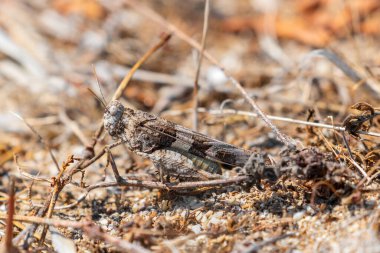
(50, 49)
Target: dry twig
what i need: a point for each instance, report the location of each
(200, 58)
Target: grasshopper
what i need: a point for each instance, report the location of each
(177, 151)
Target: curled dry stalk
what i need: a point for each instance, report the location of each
(362, 120)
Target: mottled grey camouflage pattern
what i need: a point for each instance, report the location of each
(175, 150)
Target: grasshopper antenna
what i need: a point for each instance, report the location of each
(102, 99)
(98, 82)
(97, 97)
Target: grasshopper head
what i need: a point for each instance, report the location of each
(113, 119)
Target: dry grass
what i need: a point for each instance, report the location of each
(314, 112)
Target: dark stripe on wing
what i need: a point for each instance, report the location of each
(179, 137)
(166, 131)
(228, 154)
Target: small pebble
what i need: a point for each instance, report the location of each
(214, 220)
(310, 210)
(103, 222)
(218, 214)
(298, 215)
(196, 229)
(198, 216)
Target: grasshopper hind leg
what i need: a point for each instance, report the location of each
(171, 163)
(164, 177)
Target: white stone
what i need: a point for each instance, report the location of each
(298, 215)
(196, 229)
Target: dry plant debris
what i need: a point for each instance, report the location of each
(295, 80)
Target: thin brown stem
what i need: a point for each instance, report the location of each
(9, 216)
(173, 187)
(274, 118)
(128, 77)
(59, 184)
(41, 140)
(200, 58)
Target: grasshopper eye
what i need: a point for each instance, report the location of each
(113, 110)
